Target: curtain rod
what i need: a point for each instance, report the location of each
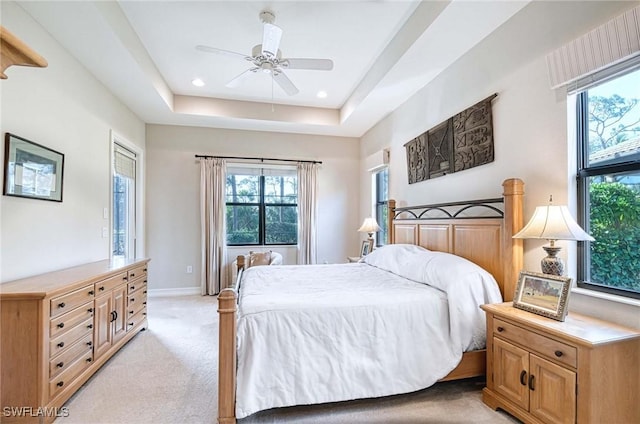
(260, 159)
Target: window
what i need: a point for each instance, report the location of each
(262, 206)
(608, 117)
(124, 202)
(382, 210)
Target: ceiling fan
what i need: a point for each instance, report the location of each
(267, 58)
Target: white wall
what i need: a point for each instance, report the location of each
(66, 109)
(529, 121)
(173, 190)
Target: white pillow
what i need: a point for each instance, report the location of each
(396, 258)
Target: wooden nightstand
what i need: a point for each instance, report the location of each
(581, 370)
(354, 258)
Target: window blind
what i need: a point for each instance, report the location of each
(607, 45)
(124, 162)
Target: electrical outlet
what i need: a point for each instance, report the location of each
(189, 269)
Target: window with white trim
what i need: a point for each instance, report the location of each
(262, 206)
(124, 185)
(608, 181)
(381, 183)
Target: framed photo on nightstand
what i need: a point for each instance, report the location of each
(543, 294)
(367, 247)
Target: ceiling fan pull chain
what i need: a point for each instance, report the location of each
(272, 107)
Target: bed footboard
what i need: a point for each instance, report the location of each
(227, 310)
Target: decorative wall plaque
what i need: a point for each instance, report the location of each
(473, 135)
(461, 142)
(417, 164)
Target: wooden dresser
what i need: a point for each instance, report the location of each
(59, 328)
(582, 370)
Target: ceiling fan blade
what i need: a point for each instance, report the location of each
(271, 40)
(311, 64)
(285, 83)
(222, 52)
(237, 81)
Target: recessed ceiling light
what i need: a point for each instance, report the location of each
(198, 82)
(321, 94)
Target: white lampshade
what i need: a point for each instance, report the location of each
(369, 226)
(553, 223)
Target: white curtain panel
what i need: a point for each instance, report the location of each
(307, 212)
(212, 218)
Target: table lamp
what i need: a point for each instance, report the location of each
(369, 226)
(553, 223)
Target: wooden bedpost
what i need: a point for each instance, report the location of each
(391, 212)
(227, 307)
(513, 192)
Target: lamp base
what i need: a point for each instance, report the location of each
(552, 264)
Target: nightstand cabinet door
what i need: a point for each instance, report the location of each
(511, 372)
(552, 391)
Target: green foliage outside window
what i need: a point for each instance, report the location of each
(615, 224)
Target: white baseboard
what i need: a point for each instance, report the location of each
(185, 291)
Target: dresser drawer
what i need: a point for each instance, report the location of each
(69, 301)
(69, 320)
(134, 308)
(137, 285)
(110, 283)
(134, 321)
(137, 272)
(136, 299)
(61, 343)
(62, 362)
(63, 380)
(550, 348)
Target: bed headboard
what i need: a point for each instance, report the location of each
(478, 230)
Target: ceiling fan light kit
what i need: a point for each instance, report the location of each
(268, 58)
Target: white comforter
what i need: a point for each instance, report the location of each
(324, 333)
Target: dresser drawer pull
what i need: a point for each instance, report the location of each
(90, 310)
(133, 288)
(101, 288)
(145, 281)
(531, 381)
(523, 378)
(90, 292)
(558, 353)
(89, 359)
(60, 383)
(130, 312)
(500, 329)
(144, 303)
(61, 305)
(61, 325)
(61, 344)
(89, 343)
(60, 364)
(144, 313)
(124, 278)
(130, 323)
(132, 275)
(90, 326)
(145, 292)
(133, 299)
(145, 270)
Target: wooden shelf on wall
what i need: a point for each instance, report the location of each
(15, 52)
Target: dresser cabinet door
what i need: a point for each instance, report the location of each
(103, 336)
(552, 392)
(120, 308)
(511, 372)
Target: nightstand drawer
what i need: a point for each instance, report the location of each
(561, 352)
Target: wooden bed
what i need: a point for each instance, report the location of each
(486, 241)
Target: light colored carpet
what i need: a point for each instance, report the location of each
(168, 374)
